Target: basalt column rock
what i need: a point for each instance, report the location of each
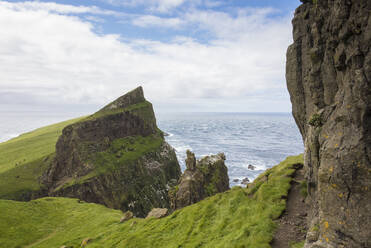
(117, 157)
(201, 179)
(328, 75)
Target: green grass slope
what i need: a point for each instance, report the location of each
(23, 159)
(30, 146)
(237, 218)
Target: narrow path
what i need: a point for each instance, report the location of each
(292, 224)
(41, 240)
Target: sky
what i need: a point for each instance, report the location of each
(189, 55)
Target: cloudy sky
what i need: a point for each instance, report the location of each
(189, 55)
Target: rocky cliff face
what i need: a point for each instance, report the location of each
(116, 157)
(201, 179)
(329, 80)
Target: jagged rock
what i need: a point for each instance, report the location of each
(236, 180)
(251, 167)
(201, 179)
(127, 216)
(190, 161)
(157, 213)
(117, 157)
(328, 75)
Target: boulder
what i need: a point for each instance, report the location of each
(328, 74)
(202, 178)
(251, 167)
(157, 213)
(127, 216)
(245, 181)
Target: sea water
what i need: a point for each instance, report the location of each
(258, 139)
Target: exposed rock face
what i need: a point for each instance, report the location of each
(116, 157)
(201, 179)
(329, 80)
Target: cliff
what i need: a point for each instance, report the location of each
(328, 75)
(116, 157)
(201, 179)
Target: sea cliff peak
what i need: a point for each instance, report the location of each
(131, 98)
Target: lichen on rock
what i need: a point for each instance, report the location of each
(328, 75)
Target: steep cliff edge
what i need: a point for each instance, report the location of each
(116, 157)
(328, 75)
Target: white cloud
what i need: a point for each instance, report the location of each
(153, 21)
(151, 5)
(54, 7)
(59, 59)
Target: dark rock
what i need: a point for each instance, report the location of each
(328, 75)
(157, 213)
(201, 179)
(245, 181)
(127, 216)
(98, 159)
(251, 167)
(236, 180)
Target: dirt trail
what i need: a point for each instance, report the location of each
(292, 224)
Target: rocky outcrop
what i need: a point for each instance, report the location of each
(116, 157)
(157, 213)
(201, 179)
(329, 79)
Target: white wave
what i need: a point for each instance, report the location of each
(182, 148)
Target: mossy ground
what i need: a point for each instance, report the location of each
(24, 159)
(237, 218)
(143, 110)
(122, 152)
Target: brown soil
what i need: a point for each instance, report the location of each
(292, 224)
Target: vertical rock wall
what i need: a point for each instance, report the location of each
(328, 75)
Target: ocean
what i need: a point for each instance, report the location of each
(258, 139)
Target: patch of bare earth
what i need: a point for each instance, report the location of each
(292, 224)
